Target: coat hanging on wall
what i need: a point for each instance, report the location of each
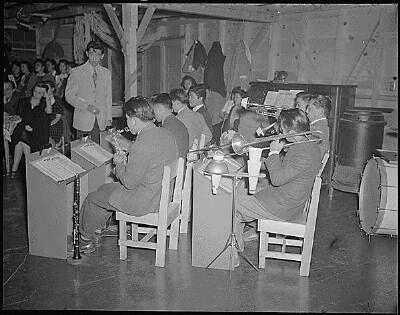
(195, 58)
(53, 50)
(214, 71)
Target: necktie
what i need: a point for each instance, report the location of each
(94, 76)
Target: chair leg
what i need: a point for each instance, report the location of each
(123, 254)
(135, 232)
(7, 155)
(174, 234)
(262, 248)
(306, 258)
(185, 204)
(161, 246)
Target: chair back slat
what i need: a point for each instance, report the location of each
(202, 141)
(323, 163)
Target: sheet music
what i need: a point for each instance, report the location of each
(94, 153)
(270, 98)
(58, 167)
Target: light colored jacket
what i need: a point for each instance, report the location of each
(81, 92)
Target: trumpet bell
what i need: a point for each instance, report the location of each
(239, 144)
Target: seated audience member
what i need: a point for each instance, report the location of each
(16, 74)
(290, 178)
(51, 66)
(39, 76)
(162, 108)
(301, 100)
(56, 126)
(318, 112)
(138, 190)
(188, 82)
(26, 75)
(194, 122)
(32, 133)
(61, 78)
(197, 96)
(11, 98)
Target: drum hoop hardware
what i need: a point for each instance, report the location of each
(390, 186)
(384, 209)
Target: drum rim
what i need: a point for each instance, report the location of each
(361, 193)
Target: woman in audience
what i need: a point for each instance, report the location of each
(56, 126)
(188, 82)
(32, 133)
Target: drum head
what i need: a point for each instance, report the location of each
(369, 196)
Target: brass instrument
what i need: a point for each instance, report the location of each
(75, 217)
(265, 110)
(240, 144)
(126, 129)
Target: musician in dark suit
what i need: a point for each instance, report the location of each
(194, 122)
(290, 178)
(162, 108)
(138, 191)
(197, 96)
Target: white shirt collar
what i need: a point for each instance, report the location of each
(314, 121)
(196, 108)
(180, 110)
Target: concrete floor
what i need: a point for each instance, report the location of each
(348, 272)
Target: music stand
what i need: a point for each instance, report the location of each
(232, 240)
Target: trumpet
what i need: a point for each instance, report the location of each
(240, 144)
(245, 104)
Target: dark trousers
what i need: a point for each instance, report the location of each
(96, 210)
(93, 134)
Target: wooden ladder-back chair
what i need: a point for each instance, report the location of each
(302, 233)
(165, 221)
(187, 188)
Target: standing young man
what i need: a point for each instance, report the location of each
(88, 90)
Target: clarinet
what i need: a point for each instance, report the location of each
(75, 216)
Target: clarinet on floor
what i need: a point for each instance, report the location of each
(75, 216)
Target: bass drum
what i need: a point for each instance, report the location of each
(378, 205)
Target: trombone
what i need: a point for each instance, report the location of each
(240, 144)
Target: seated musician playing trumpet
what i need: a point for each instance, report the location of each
(317, 111)
(291, 177)
(138, 190)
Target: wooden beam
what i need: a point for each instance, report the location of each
(144, 23)
(129, 24)
(116, 25)
(258, 39)
(222, 34)
(235, 12)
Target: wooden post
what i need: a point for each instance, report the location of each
(339, 48)
(202, 33)
(273, 48)
(129, 25)
(378, 61)
(301, 77)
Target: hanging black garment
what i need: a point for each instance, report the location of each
(200, 56)
(214, 72)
